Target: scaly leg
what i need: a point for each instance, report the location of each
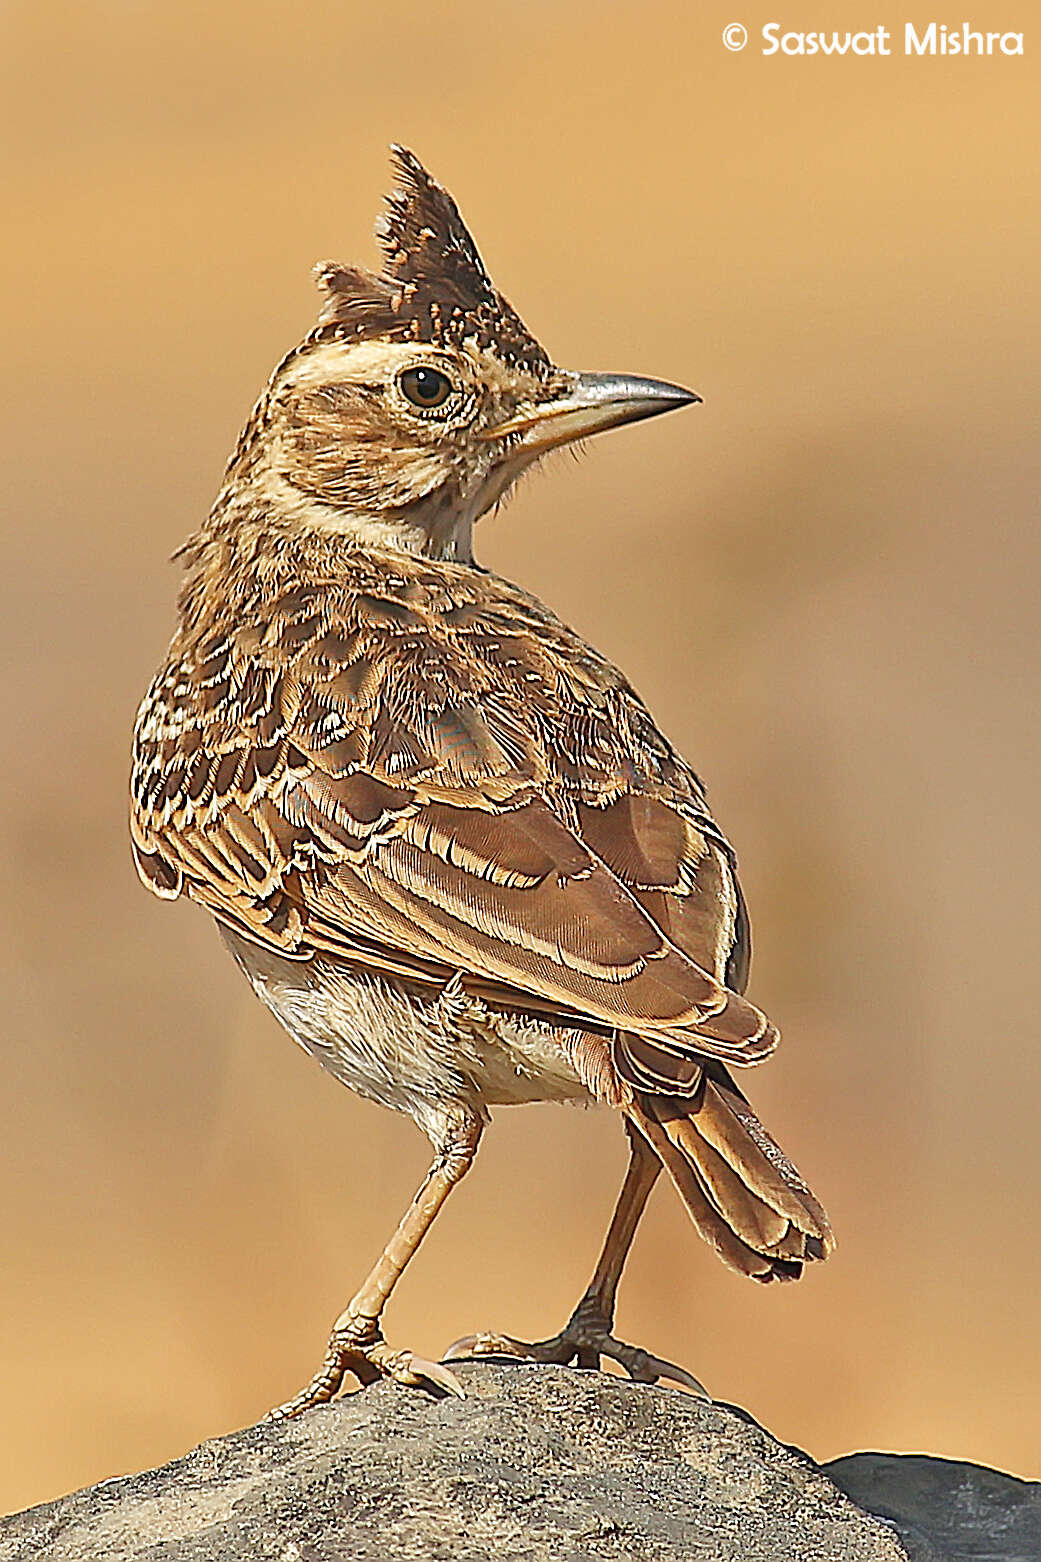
(356, 1343)
(587, 1334)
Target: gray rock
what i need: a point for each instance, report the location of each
(542, 1464)
(944, 1510)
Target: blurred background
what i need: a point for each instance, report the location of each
(824, 582)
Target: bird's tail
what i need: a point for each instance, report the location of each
(743, 1193)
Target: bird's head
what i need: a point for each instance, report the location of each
(420, 397)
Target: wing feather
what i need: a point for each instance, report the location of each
(433, 783)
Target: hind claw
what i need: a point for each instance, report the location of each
(438, 1374)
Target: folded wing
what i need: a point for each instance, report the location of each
(427, 793)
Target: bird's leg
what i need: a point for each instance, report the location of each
(587, 1334)
(598, 1303)
(356, 1343)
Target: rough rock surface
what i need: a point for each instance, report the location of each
(945, 1510)
(540, 1463)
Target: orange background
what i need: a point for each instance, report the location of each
(824, 582)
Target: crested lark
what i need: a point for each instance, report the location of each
(439, 833)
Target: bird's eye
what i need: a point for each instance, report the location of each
(425, 387)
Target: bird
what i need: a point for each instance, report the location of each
(440, 834)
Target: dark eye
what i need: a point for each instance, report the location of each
(425, 387)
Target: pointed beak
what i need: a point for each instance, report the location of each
(592, 403)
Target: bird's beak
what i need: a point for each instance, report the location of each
(593, 402)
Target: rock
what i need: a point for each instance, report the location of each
(537, 1463)
(540, 1463)
(944, 1509)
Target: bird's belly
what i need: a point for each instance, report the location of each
(411, 1054)
(525, 1062)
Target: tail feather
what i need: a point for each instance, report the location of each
(728, 1123)
(751, 1217)
(742, 1192)
(715, 1229)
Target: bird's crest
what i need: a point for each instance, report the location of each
(433, 287)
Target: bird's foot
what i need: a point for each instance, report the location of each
(356, 1345)
(584, 1340)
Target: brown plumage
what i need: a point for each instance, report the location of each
(441, 834)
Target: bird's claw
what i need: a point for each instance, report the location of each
(584, 1341)
(486, 1343)
(357, 1346)
(417, 1372)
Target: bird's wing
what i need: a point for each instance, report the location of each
(429, 787)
